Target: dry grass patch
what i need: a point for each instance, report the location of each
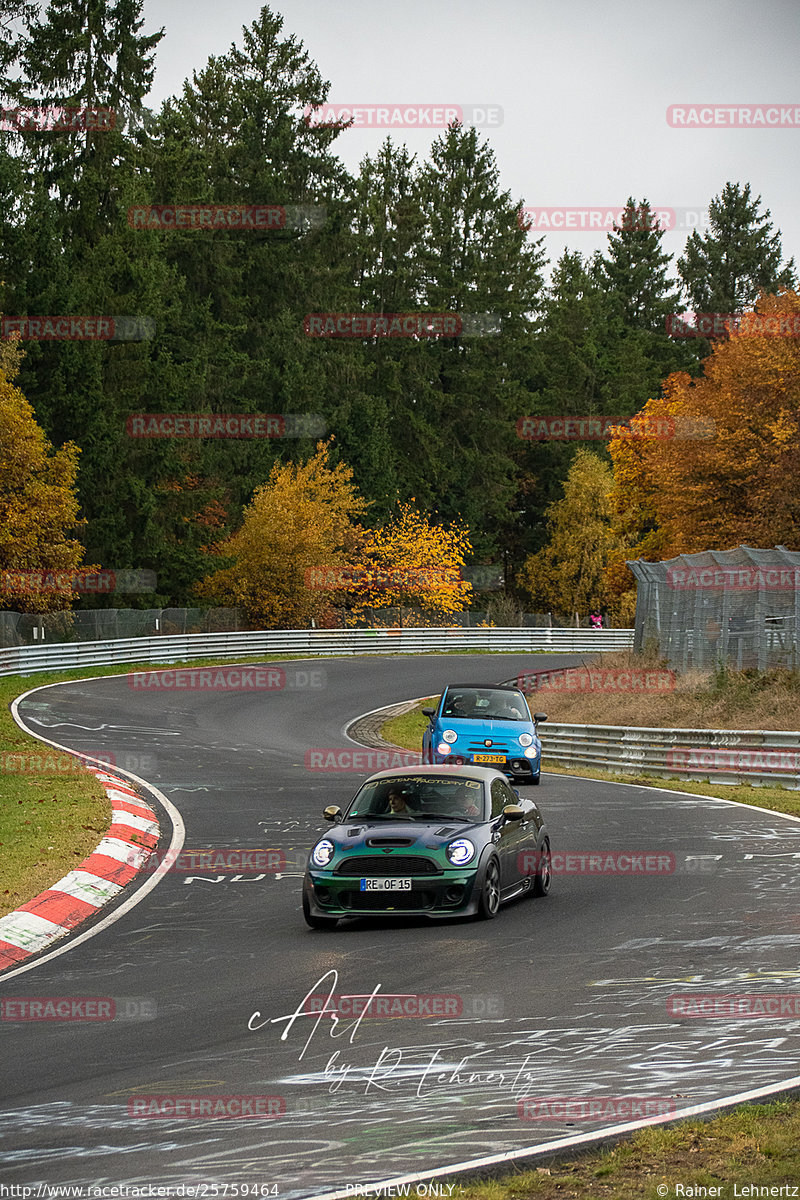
(711, 700)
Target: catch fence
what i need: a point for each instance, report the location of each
(739, 607)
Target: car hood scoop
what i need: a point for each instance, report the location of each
(386, 843)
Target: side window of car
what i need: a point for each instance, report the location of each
(499, 799)
(511, 796)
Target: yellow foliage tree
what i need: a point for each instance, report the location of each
(301, 520)
(411, 563)
(38, 504)
(730, 474)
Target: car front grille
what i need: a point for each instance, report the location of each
(495, 748)
(381, 901)
(387, 864)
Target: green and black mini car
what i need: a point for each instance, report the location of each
(434, 841)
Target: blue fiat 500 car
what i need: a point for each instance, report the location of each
(484, 726)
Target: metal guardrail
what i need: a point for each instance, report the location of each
(759, 756)
(723, 756)
(69, 656)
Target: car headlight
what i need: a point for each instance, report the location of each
(450, 736)
(322, 853)
(443, 748)
(460, 852)
(525, 739)
(532, 752)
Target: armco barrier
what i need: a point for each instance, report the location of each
(759, 756)
(70, 656)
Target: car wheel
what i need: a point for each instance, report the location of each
(317, 922)
(536, 780)
(544, 871)
(489, 902)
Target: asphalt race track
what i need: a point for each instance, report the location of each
(560, 997)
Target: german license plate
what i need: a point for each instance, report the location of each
(489, 758)
(391, 884)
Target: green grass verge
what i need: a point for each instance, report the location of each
(52, 812)
(754, 1144)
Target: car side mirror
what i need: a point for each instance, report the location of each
(513, 812)
(429, 712)
(332, 812)
(540, 717)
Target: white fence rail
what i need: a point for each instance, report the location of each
(759, 756)
(69, 656)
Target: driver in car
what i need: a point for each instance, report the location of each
(468, 805)
(398, 805)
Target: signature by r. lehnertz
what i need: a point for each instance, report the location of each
(393, 1065)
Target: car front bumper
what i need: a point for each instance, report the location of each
(449, 894)
(518, 766)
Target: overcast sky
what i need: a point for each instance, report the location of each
(583, 88)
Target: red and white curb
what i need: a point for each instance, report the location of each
(126, 847)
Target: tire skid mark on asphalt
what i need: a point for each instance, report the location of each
(596, 1048)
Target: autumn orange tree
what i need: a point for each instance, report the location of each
(411, 563)
(729, 473)
(299, 525)
(38, 504)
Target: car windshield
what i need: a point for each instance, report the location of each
(484, 704)
(420, 797)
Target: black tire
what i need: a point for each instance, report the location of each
(317, 922)
(544, 871)
(489, 902)
(537, 779)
